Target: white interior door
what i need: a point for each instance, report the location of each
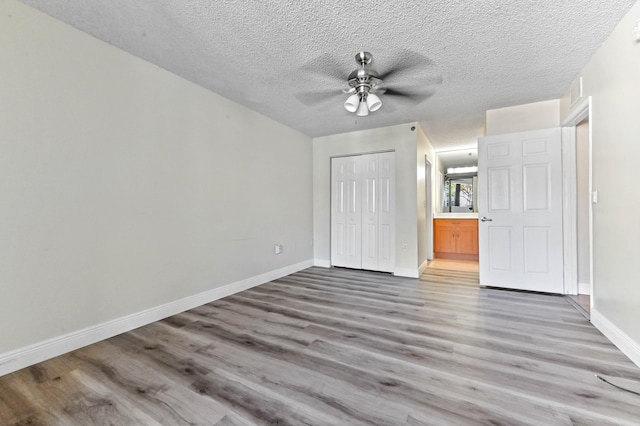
(520, 210)
(363, 212)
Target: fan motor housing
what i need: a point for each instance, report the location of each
(362, 74)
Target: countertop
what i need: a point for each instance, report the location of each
(455, 216)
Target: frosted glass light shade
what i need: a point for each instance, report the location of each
(373, 102)
(352, 102)
(362, 109)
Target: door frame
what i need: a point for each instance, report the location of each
(428, 205)
(581, 111)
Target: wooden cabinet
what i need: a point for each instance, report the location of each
(456, 239)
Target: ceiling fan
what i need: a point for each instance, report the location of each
(365, 85)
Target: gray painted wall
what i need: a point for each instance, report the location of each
(123, 187)
(612, 79)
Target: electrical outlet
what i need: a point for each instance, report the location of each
(405, 246)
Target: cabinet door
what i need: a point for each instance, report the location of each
(467, 239)
(444, 237)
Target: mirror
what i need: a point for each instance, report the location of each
(457, 173)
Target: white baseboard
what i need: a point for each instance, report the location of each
(423, 267)
(584, 288)
(618, 337)
(401, 272)
(322, 263)
(407, 272)
(33, 354)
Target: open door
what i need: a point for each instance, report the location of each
(520, 211)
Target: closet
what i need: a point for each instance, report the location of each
(363, 211)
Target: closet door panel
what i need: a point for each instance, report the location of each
(353, 258)
(370, 201)
(338, 212)
(386, 212)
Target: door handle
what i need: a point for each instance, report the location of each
(485, 219)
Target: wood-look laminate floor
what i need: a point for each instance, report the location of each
(582, 300)
(455, 265)
(341, 347)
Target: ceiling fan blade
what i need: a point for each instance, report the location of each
(317, 97)
(327, 66)
(416, 98)
(404, 61)
(388, 107)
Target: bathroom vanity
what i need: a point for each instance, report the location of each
(456, 236)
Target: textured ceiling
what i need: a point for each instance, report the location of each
(471, 55)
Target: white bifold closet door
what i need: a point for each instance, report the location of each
(363, 212)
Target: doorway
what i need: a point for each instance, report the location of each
(579, 232)
(582, 215)
(455, 246)
(428, 205)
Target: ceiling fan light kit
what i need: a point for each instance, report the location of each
(363, 81)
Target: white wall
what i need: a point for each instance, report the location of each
(398, 138)
(522, 118)
(425, 221)
(612, 78)
(123, 187)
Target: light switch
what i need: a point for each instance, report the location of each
(594, 197)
